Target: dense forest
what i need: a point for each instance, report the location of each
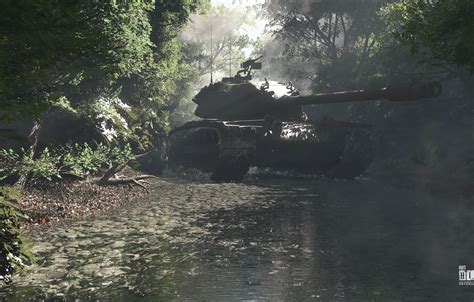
(90, 88)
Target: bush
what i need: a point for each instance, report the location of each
(14, 250)
(13, 164)
(76, 160)
(82, 160)
(121, 156)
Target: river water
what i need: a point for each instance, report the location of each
(266, 240)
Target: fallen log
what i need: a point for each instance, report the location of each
(138, 181)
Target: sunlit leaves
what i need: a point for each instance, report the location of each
(51, 51)
(71, 54)
(80, 160)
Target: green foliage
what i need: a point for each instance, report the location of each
(332, 43)
(121, 155)
(52, 50)
(323, 31)
(72, 54)
(445, 27)
(14, 164)
(43, 167)
(14, 248)
(82, 160)
(79, 160)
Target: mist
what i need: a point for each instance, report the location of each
(140, 160)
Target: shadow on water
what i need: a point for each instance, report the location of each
(269, 240)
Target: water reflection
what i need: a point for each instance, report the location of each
(272, 240)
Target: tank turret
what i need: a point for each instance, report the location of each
(251, 123)
(241, 98)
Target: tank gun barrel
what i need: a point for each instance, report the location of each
(394, 94)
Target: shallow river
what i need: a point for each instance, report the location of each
(268, 240)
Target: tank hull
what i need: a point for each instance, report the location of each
(228, 149)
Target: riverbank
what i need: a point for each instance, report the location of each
(69, 200)
(60, 202)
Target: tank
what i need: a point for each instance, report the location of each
(247, 123)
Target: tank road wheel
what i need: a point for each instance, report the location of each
(358, 154)
(231, 169)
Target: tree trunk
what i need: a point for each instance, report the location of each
(106, 179)
(33, 138)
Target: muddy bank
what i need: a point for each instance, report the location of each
(66, 201)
